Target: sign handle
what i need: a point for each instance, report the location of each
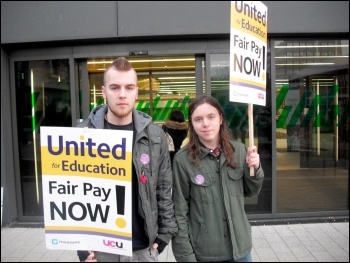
(251, 132)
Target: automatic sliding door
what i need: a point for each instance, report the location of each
(312, 110)
(43, 99)
(165, 83)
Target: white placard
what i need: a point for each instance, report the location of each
(87, 189)
(248, 52)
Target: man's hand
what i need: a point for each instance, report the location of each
(86, 256)
(91, 256)
(159, 245)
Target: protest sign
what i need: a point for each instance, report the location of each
(86, 182)
(248, 55)
(248, 46)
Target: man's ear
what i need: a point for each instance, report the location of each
(103, 90)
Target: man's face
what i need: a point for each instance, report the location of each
(120, 92)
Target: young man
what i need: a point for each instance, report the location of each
(153, 220)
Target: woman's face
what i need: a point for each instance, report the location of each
(206, 122)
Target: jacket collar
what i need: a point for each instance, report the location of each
(97, 117)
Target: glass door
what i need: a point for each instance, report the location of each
(164, 82)
(42, 90)
(312, 123)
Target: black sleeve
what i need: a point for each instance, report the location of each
(83, 254)
(161, 245)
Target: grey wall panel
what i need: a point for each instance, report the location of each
(308, 16)
(173, 18)
(158, 48)
(32, 21)
(7, 162)
(42, 53)
(192, 18)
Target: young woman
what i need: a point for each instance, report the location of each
(211, 177)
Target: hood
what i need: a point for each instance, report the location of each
(176, 125)
(97, 117)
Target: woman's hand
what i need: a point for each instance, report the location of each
(253, 158)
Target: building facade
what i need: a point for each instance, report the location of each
(53, 55)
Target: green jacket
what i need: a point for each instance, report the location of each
(209, 206)
(156, 205)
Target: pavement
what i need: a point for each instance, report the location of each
(309, 242)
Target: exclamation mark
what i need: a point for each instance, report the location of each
(120, 194)
(263, 56)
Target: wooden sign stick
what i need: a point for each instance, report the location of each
(251, 132)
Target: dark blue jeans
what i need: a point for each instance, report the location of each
(247, 258)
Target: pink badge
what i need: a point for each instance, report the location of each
(144, 158)
(143, 178)
(199, 179)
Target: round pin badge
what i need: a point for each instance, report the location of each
(144, 158)
(199, 179)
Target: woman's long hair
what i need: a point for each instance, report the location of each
(194, 145)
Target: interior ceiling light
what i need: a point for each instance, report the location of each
(304, 64)
(143, 61)
(177, 78)
(318, 46)
(306, 57)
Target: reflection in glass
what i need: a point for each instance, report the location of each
(165, 83)
(43, 99)
(237, 121)
(312, 105)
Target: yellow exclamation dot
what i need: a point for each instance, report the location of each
(120, 222)
(120, 195)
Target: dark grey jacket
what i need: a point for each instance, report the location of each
(209, 206)
(156, 204)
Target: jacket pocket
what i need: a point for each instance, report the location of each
(204, 188)
(235, 181)
(199, 239)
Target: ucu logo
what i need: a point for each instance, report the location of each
(110, 243)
